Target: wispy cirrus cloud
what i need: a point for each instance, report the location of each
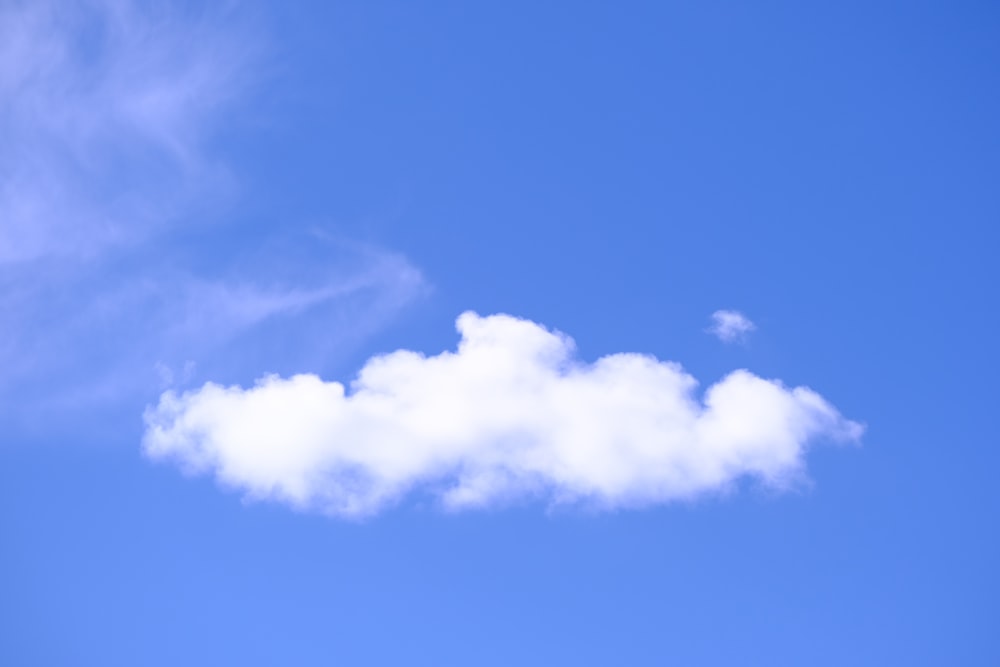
(511, 414)
(84, 339)
(109, 186)
(105, 106)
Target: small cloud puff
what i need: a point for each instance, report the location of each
(730, 326)
(511, 414)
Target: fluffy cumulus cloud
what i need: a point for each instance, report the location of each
(511, 414)
(730, 326)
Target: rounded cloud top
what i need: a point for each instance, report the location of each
(512, 413)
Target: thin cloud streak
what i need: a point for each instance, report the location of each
(92, 339)
(104, 109)
(110, 192)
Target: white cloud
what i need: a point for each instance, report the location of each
(123, 333)
(104, 109)
(730, 326)
(511, 414)
(119, 269)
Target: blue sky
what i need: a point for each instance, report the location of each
(723, 388)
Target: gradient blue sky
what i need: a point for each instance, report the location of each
(190, 194)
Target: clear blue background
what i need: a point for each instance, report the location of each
(616, 171)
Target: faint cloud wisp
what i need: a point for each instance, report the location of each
(110, 282)
(104, 110)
